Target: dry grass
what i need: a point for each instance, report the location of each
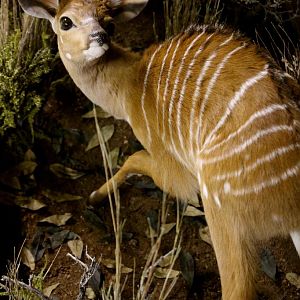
(179, 15)
(114, 292)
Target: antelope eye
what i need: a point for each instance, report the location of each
(66, 23)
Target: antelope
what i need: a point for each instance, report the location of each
(215, 115)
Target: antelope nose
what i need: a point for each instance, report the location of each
(100, 37)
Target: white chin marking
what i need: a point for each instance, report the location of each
(95, 51)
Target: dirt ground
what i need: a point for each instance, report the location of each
(62, 137)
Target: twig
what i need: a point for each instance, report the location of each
(27, 287)
(89, 272)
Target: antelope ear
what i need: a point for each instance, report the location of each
(125, 10)
(45, 9)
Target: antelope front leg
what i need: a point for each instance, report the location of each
(139, 163)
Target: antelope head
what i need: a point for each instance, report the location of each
(83, 27)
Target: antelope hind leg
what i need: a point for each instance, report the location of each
(139, 162)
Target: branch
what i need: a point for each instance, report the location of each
(26, 287)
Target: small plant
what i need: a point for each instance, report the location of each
(16, 289)
(25, 57)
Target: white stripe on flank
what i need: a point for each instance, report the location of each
(267, 158)
(291, 172)
(259, 114)
(233, 102)
(167, 86)
(197, 90)
(210, 86)
(144, 93)
(178, 77)
(260, 134)
(160, 78)
(197, 94)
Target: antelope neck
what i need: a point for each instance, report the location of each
(103, 81)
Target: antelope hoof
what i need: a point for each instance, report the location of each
(97, 198)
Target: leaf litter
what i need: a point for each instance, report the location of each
(107, 132)
(62, 171)
(58, 220)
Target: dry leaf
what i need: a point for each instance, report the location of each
(90, 294)
(167, 227)
(294, 279)
(27, 258)
(107, 132)
(166, 260)
(64, 172)
(165, 273)
(25, 168)
(205, 235)
(29, 155)
(100, 113)
(192, 211)
(29, 203)
(60, 197)
(126, 270)
(111, 264)
(151, 233)
(113, 157)
(194, 202)
(12, 182)
(58, 220)
(76, 247)
(48, 290)
(108, 263)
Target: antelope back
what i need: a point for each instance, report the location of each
(224, 111)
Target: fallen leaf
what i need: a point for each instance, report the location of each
(192, 211)
(113, 157)
(166, 228)
(100, 113)
(107, 132)
(62, 171)
(194, 202)
(268, 263)
(25, 168)
(29, 203)
(166, 260)
(165, 273)
(58, 220)
(27, 258)
(48, 290)
(60, 197)
(108, 263)
(29, 155)
(187, 266)
(76, 247)
(11, 181)
(58, 238)
(90, 294)
(111, 264)
(205, 235)
(293, 279)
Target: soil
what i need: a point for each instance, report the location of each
(62, 137)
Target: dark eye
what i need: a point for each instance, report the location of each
(66, 23)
